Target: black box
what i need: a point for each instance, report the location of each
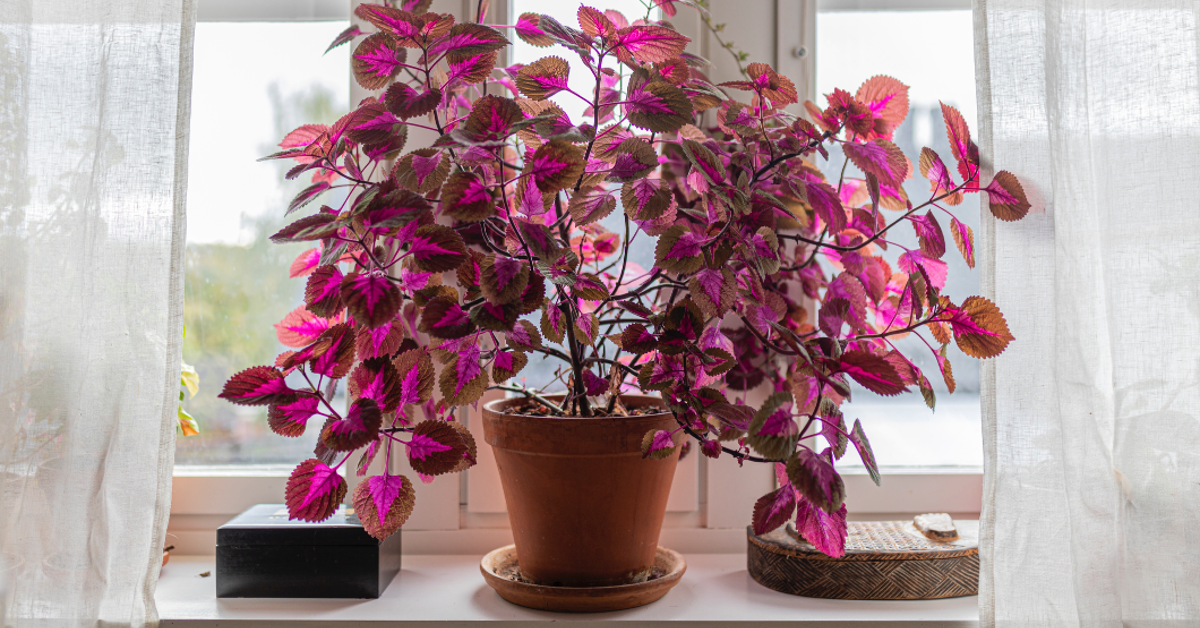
(260, 553)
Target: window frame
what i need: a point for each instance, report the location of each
(713, 516)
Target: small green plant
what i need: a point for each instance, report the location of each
(189, 380)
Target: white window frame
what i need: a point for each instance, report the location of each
(712, 501)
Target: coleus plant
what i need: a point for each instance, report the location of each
(424, 278)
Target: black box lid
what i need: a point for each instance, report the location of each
(268, 524)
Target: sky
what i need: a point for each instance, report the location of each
(232, 120)
(930, 51)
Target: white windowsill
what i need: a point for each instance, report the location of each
(448, 590)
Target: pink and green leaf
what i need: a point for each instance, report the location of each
(383, 503)
(314, 491)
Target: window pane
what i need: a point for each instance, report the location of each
(853, 46)
(253, 83)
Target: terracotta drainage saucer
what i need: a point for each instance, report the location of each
(579, 599)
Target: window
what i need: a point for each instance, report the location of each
(253, 82)
(855, 43)
(260, 71)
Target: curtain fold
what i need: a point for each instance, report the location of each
(94, 109)
(1092, 416)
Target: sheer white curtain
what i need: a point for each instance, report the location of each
(94, 101)
(1092, 417)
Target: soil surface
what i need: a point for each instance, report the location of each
(530, 407)
(512, 571)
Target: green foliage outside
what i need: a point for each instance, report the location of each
(233, 296)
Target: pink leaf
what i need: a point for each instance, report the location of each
(930, 235)
(258, 386)
(314, 491)
(826, 532)
(305, 263)
(290, 419)
(887, 99)
(359, 427)
(383, 504)
(422, 446)
(303, 136)
(300, 327)
(649, 44)
(372, 298)
(934, 269)
(773, 509)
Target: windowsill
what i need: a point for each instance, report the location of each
(448, 589)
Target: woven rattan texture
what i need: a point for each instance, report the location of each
(884, 561)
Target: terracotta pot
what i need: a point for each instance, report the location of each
(585, 507)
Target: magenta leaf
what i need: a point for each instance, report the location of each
(466, 198)
(649, 44)
(657, 445)
(437, 248)
(833, 429)
(376, 61)
(405, 102)
(774, 432)
(323, 294)
(880, 158)
(344, 37)
(304, 263)
(658, 106)
(813, 475)
(333, 353)
(378, 381)
(679, 250)
(443, 317)
(935, 269)
(555, 165)
(463, 379)
(964, 239)
(825, 202)
(468, 40)
(289, 419)
(314, 491)
(961, 145)
(528, 29)
(825, 531)
(316, 227)
(773, 509)
(383, 504)
(887, 99)
(359, 427)
(1006, 197)
(507, 364)
(543, 78)
(930, 235)
(415, 371)
(874, 372)
(438, 447)
(590, 204)
(258, 386)
(859, 438)
(300, 327)
(645, 199)
(422, 447)
(371, 298)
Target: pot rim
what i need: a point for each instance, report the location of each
(647, 400)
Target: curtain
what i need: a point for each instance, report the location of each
(94, 105)
(1092, 416)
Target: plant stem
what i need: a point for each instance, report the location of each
(528, 393)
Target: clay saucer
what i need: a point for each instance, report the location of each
(500, 563)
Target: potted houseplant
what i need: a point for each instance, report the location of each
(441, 271)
